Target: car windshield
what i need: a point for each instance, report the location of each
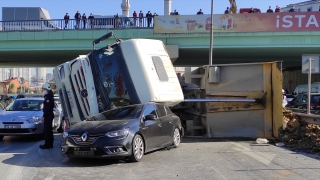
(123, 113)
(25, 105)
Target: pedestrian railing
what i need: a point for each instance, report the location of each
(63, 24)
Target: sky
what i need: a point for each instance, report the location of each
(58, 8)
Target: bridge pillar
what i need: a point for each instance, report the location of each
(167, 7)
(173, 51)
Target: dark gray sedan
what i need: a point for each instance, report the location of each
(127, 132)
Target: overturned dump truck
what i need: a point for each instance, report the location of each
(233, 100)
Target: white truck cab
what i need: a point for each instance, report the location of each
(127, 72)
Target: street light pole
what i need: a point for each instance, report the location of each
(211, 35)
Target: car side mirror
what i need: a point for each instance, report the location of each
(150, 117)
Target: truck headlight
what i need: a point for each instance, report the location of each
(34, 120)
(119, 133)
(65, 134)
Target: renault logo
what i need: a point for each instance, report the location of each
(84, 137)
(12, 119)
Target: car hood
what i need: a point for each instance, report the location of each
(19, 115)
(98, 127)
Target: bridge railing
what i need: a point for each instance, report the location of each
(62, 24)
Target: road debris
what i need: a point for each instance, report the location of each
(299, 135)
(262, 141)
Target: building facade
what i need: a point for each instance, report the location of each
(313, 5)
(41, 75)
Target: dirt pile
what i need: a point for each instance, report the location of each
(298, 135)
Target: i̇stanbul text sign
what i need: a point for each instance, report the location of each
(244, 22)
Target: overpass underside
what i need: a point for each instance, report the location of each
(50, 48)
(291, 56)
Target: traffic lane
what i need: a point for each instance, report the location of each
(16, 149)
(194, 159)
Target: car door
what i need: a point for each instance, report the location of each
(167, 124)
(151, 128)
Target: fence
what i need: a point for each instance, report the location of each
(62, 24)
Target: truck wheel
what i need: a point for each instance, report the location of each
(137, 149)
(1, 137)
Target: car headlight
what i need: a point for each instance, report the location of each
(65, 134)
(34, 120)
(119, 133)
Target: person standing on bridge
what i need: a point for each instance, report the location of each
(84, 20)
(77, 16)
(91, 20)
(269, 10)
(149, 18)
(134, 15)
(66, 20)
(48, 115)
(141, 19)
(200, 12)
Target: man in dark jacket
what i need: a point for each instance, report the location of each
(47, 118)
(91, 18)
(66, 20)
(77, 16)
(149, 18)
(269, 10)
(200, 12)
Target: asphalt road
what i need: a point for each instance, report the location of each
(22, 159)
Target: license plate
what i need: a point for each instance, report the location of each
(12, 126)
(84, 153)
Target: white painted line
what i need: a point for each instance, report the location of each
(49, 177)
(262, 157)
(11, 153)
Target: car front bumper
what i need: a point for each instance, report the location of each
(102, 147)
(24, 129)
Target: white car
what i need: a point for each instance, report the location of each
(22, 117)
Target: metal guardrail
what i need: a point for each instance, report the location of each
(62, 24)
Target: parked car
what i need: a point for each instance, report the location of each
(301, 100)
(22, 117)
(128, 132)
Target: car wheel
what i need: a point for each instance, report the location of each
(176, 138)
(1, 137)
(137, 148)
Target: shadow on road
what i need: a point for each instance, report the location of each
(30, 155)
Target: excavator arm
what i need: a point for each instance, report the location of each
(233, 6)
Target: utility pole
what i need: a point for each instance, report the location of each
(211, 35)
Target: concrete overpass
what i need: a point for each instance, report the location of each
(52, 47)
(49, 48)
